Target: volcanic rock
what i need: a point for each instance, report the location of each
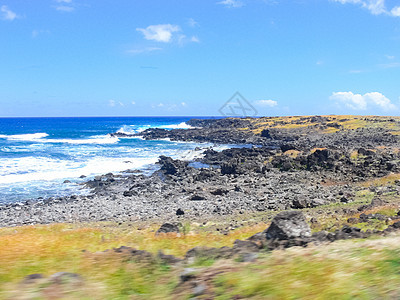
(287, 225)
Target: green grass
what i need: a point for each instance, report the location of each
(345, 270)
(372, 224)
(352, 269)
(48, 249)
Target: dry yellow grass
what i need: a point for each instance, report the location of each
(61, 244)
(48, 249)
(315, 149)
(347, 122)
(292, 153)
(381, 181)
(333, 271)
(353, 269)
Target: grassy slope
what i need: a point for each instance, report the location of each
(347, 122)
(364, 269)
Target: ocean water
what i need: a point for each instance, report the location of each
(38, 154)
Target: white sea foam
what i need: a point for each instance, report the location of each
(99, 140)
(41, 138)
(190, 155)
(30, 169)
(133, 129)
(182, 125)
(25, 137)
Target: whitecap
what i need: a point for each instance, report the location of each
(99, 140)
(31, 169)
(25, 137)
(182, 125)
(133, 129)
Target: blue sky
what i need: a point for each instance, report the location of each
(153, 58)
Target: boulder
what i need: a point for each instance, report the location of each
(139, 255)
(240, 246)
(199, 289)
(353, 220)
(299, 203)
(287, 225)
(32, 278)
(180, 212)
(168, 259)
(396, 225)
(128, 193)
(188, 274)
(170, 166)
(266, 134)
(168, 227)
(228, 168)
(365, 152)
(64, 277)
(287, 147)
(198, 197)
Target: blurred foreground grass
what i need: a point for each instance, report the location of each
(48, 249)
(359, 269)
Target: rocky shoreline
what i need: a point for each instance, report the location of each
(288, 167)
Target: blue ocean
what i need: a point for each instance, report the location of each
(38, 154)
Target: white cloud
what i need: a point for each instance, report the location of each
(192, 23)
(356, 102)
(395, 11)
(64, 5)
(181, 39)
(194, 39)
(390, 65)
(7, 14)
(376, 7)
(143, 50)
(169, 106)
(231, 3)
(133, 102)
(270, 103)
(380, 100)
(160, 33)
(65, 8)
(356, 71)
(36, 33)
(114, 103)
(362, 102)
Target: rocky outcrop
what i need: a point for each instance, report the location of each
(170, 166)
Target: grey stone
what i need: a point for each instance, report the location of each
(168, 227)
(199, 289)
(187, 274)
(287, 225)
